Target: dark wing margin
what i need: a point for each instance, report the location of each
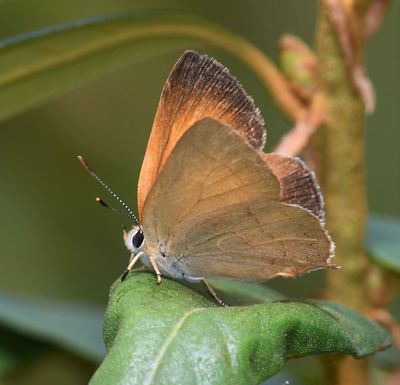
(297, 182)
(206, 88)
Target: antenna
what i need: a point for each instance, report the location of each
(101, 202)
(130, 213)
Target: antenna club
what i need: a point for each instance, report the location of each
(99, 200)
(84, 163)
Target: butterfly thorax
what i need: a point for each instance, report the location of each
(169, 266)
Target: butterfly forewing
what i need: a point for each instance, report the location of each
(205, 171)
(197, 87)
(214, 208)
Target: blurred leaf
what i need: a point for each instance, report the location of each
(383, 241)
(73, 326)
(41, 65)
(54, 367)
(170, 334)
(244, 293)
(16, 349)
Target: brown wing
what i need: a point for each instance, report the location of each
(297, 182)
(252, 240)
(215, 209)
(197, 87)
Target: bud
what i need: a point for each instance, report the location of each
(299, 64)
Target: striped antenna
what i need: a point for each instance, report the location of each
(94, 175)
(101, 202)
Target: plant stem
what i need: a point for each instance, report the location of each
(340, 149)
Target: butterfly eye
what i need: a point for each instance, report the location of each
(137, 239)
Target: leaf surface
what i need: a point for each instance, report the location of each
(170, 334)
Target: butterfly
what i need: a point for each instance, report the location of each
(210, 202)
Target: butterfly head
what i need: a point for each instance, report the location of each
(134, 239)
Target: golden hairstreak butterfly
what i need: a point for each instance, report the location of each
(210, 202)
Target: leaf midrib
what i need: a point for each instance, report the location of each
(158, 361)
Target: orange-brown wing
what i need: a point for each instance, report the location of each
(297, 182)
(215, 211)
(197, 87)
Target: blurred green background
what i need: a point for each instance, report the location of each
(55, 241)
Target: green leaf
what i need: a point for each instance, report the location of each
(41, 65)
(170, 334)
(72, 326)
(383, 241)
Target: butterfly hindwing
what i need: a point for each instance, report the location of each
(297, 182)
(252, 240)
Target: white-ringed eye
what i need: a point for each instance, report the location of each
(137, 239)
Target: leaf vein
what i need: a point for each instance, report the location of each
(152, 373)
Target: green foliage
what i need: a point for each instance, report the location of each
(41, 65)
(170, 334)
(72, 326)
(383, 241)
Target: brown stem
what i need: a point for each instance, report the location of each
(294, 142)
(374, 17)
(384, 317)
(394, 379)
(297, 139)
(343, 22)
(383, 286)
(340, 147)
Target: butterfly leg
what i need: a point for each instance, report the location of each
(212, 292)
(131, 264)
(209, 288)
(156, 270)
